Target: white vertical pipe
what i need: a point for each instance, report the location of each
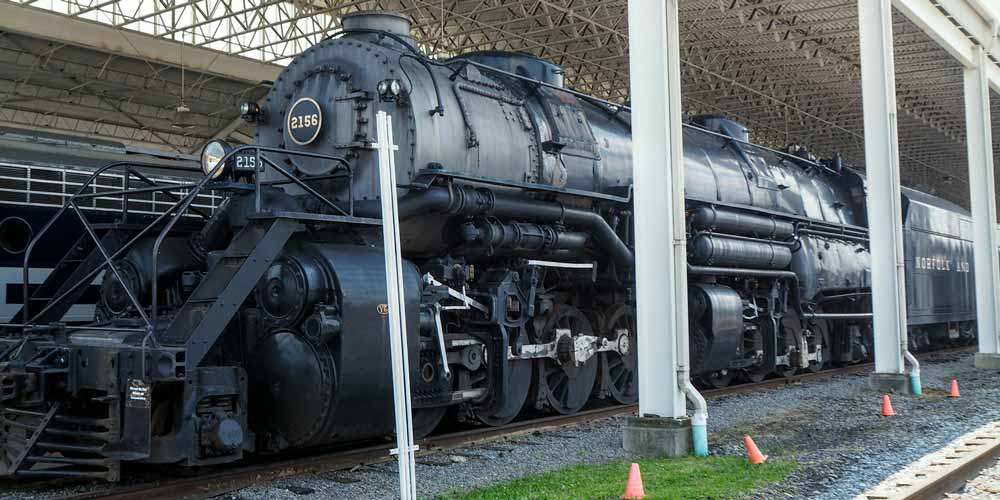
(660, 256)
(982, 194)
(397, 313)
(878, 86)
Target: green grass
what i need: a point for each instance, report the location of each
(675, 478)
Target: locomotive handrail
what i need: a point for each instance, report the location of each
(151, 189)
(209, 176)
(152, 183)
(257, 183)
(70, 202)
(786, 243)
(182, 204)
(830, 234)
(310, 190)
(426, 177)
(97, 270)
(109, 262)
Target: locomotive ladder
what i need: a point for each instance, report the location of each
(204, 316)
(38, 443)
(34, 432)
(81, 259)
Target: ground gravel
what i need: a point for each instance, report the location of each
(831, 428)
(844, 447)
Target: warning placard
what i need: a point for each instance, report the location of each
(139, 394)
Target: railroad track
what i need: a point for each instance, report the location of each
(944, 471)
(240, 476)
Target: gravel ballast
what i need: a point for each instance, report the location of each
(832, 428)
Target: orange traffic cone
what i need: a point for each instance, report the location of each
(887, 410)
(633, 488)
(954, 390)
(753, 453)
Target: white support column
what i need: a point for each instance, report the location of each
(884, 205)
(661, 282)
(984, 215)
(661, 258)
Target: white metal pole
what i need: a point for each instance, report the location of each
(397, 313)
(982, 194)
(882, 169)
(661, 278)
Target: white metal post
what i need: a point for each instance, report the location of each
(661, 278)
(882, 168)
(983, 203)
(397, 313)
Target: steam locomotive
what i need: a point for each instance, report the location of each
(264, 327)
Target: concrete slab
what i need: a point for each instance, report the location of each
(657, 436)
(987, 361)
(896, 383)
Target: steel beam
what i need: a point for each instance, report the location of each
(967, 16)
(936, 24)
(37, 23)
(878, 88)
(982, 194)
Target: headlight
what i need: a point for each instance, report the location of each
(213, 153)
(249, 111)
(389, 89)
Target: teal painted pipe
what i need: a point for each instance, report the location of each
(699, 434)
(915, 387)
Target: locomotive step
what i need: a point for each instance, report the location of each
(67, 447)
(70, 461)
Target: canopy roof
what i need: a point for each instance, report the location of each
(789, 69)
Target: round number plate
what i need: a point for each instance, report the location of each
(305, 119)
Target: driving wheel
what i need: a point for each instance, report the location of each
(619, 371)
(563, 385)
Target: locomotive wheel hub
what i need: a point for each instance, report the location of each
(565, 386)
(619, 377)
(624, 344)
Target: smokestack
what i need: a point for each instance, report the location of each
(378, 20)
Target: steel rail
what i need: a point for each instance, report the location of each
(271, 468)
(952, 480)
(936, 475)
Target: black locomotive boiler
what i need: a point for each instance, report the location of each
(264, 328)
